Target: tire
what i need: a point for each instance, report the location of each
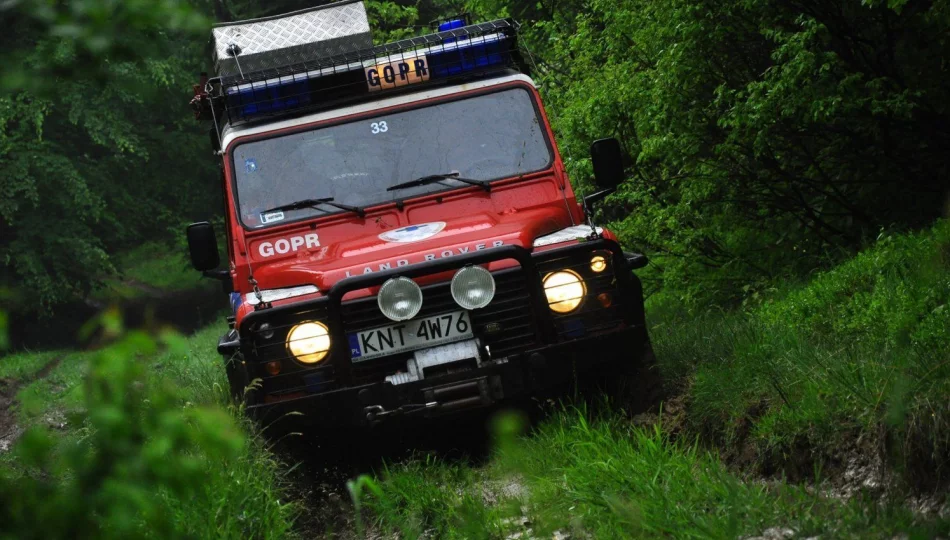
(237, 378)
(632, 386)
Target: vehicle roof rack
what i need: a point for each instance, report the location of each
(320, 82)
(253, 45)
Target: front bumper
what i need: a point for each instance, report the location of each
(532, 349)
(541, 370)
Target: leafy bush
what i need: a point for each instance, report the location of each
(92, 138)
(142, 459)
(765, 139)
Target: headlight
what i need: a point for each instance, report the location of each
(309, 342)
(473, 287)
(565, 290)
(400, 299)
(598, 263)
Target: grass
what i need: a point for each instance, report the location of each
(150, 268)
(23, 365)
(859, 354)
(853, 365)
(246, 497)
(605, 478)
(242, 493)
(430, 497)
(160, 266)
(56, 396)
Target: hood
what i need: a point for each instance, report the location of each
(323, 256)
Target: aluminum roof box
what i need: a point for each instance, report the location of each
(245, 47)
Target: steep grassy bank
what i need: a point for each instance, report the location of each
(856, 363)
(584, 477)
(134, 440)
(839, 384)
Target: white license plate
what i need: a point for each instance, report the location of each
(410, 335)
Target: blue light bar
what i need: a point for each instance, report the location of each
(474, 49)
(468, 57)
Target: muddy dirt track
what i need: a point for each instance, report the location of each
(8, 428)
(320, 467)
(9, 431)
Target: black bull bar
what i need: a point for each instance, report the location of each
(545, 331)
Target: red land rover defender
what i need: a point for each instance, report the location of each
(402, 237)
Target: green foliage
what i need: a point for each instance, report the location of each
(145, 449)
(99, 148)
(152, 268)
(140, 445)
(765, 138)
(90, 31)
(391, 21)
(861, 350)
(892, 295)
(21, 366)
(94, 139)
(4, 336)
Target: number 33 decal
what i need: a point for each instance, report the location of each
(379, 127)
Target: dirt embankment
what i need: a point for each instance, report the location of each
(856, 467)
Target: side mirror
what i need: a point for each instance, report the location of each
(203, 246)
(635, 260)
(607, 158)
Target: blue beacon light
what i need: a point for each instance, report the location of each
(451, 25)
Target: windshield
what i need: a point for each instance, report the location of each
(486, 137)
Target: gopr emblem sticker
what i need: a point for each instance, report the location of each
(413, 233)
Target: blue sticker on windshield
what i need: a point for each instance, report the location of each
(250, 165)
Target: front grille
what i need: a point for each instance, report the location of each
(510, 309)
(509, 326)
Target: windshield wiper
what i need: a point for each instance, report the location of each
(313, 203)
(433, 178)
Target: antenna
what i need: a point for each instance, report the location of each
(233, 51)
